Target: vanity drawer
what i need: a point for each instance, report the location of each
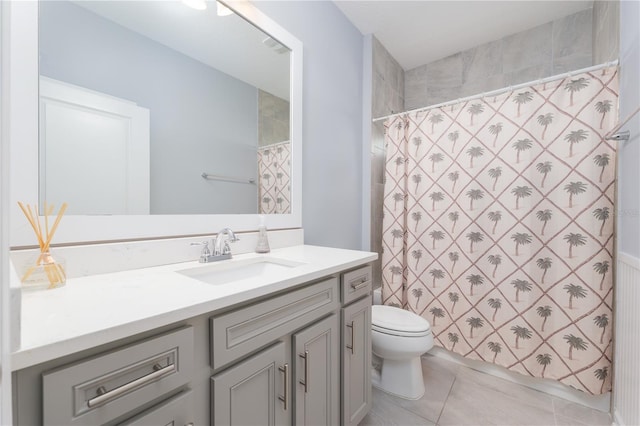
(105, 387)
(356, 283)
(176, 411)
(244, 330)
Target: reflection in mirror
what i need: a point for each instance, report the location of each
(154, 107)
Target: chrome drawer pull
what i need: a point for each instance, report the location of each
(305, 383)
(363, 283)
(106, 396)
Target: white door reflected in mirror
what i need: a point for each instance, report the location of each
(94, 151)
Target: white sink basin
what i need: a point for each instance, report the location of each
(228, 271)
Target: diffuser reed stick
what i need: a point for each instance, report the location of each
(54, 271)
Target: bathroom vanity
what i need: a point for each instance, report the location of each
(287, 342)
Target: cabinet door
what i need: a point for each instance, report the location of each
(356, 361)
(253, 392)
(317, 374)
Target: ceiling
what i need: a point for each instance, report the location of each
(419, 32)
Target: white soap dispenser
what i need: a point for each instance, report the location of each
(263, 241)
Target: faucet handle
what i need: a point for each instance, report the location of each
(205, 253)
(227, 249)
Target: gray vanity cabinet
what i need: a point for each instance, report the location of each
(317, 373)
(296, 379)
(300, 356)
(356, 356)
(273, 388)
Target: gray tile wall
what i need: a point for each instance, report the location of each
(563, 45)
(387, 98)
(388, 82)
(606, 31)
(273, 119)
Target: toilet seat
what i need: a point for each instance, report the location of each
(398, 322)
(399, 333)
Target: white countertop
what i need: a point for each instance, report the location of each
(98, 309)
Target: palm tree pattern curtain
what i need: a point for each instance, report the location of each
(498, 226)
(274, 180)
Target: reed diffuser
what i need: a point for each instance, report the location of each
(44, 270)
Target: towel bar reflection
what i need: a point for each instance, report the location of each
(227, 178)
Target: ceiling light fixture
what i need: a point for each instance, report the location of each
(196, 4)
(223, 10)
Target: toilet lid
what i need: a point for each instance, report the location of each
(392, 318)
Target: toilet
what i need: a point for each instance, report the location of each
(398, 339)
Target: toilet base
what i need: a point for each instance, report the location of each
(400, 378)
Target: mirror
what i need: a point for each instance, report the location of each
(161, 108)
(84, 228)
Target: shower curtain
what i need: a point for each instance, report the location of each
(498, 226)
(274, 186)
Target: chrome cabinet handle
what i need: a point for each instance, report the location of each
(352, 347)
(363, 283)
(284, 398)
(305, 383)
(106, 396)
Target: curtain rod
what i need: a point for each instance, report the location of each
(503, 90)
(622, 136)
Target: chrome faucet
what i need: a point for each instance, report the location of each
(218, 248)
(221, 249)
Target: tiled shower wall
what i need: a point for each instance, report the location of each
(606, 31)
(563, 45)
(273, 119)
(387, 98)
(576, 41)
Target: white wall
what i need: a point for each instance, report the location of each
(332, 119)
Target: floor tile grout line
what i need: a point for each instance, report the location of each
(448, 395)
(553, 409)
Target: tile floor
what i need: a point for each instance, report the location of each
(457, 395)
